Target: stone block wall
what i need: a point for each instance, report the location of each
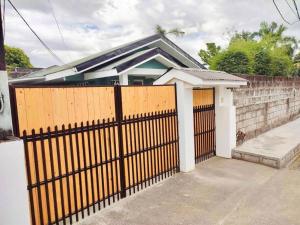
(266, 102)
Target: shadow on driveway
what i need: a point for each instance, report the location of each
(218, 191)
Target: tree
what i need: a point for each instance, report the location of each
(262, 63)
(232, 62)
(175, 31)
(16, 57)
(212, 50)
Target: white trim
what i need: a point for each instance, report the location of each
(146, 71)
(25, 79)
(61, 74)
(100, 74)
(159, 56)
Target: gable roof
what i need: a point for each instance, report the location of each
(199, 77)
(118, 53)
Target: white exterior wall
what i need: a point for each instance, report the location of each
(185, 126)
(5, 116)
(225, 122)
(123, 79)
(14, 202)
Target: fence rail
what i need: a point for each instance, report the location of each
(79, 169)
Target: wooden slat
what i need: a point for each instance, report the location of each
(203, 97)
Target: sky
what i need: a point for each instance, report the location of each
(90, 26)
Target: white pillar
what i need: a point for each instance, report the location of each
(5, 114)
(123, 79)
(14, 202)
(185, 126)
(225, 122)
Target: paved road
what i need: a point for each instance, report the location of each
(219, 191)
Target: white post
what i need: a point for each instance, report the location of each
(123, 79)
(186, 126)
(14, 203)
(225, 122)
(5, 114)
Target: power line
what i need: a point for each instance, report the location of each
(290, 7)
(42, 42)
(296, 9)
(285, 20)
(58, 26)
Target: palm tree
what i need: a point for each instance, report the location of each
(175, 31)
(273, 35)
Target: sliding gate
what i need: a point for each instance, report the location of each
(204, 124)
(80, 167)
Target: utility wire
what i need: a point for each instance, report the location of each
(296, 9)
(3, 19)
(42, 42)
(290, 7)
(285, 20)
(58, 26)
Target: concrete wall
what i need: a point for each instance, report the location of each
(265, 103)
(5, 115)
(14, 203)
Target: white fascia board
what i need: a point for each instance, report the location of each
(225, 83)
(179, 75)
(146, 71)
(100, 74)
(180, 53)
(13, 81)
(61, 74)
(159, 57)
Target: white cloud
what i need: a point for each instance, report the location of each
(91, 26)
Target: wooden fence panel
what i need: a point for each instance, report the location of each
(203, 97)
(54, 106)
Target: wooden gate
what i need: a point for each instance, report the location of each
(75, 168)
(204, 124)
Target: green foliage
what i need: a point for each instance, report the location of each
(265, 52)
(16, 57)
(232, 62)
(262, 63)
(211, 51)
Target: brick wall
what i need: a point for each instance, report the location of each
(265, 103)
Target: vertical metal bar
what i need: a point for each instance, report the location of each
(101, 162)
(45, 176)
(136, 153)
(111, 161)
(147, 147)
(134, 181)
(169, 143)
(150, 146)
(161, 144)
(29, 180)
(143, 152)
(157, 131)
(106, 164)
(164, 142)
(153, 145)
(176, 129)
(37, 177)
(91, 165)
(72, 169)
(139, 152)
(174, 165)
(67, 173)
(60, 175)
(116, 160)
(119, 117)
(79, 169)
(96, 163)
(127, 156)
(85, 168)
(51, 152)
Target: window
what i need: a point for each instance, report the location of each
(137, 82)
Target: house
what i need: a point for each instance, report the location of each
(138, 62)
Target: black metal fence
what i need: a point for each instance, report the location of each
(204, 132)
(76, 170)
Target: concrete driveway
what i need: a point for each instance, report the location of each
(219, 191)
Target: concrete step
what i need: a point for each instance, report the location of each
(275, 148)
